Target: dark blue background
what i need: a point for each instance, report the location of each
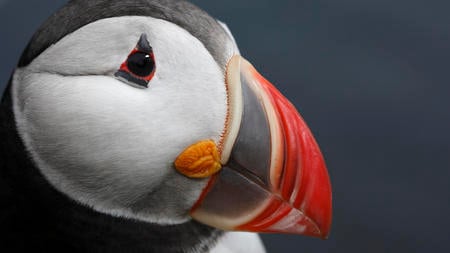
(372, 79)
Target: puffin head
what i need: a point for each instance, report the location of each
(108, 100)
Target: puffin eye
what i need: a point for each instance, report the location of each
(139, 67)
(140, 64)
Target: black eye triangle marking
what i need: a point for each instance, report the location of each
(143, 44)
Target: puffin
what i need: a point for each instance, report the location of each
(137, 126)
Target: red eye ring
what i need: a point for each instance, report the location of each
(139, 67)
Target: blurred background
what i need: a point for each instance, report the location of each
(371, 78)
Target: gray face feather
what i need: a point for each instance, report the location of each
(102, 142)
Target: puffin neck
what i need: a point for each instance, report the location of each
(36, 216)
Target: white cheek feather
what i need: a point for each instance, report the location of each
(109, 145)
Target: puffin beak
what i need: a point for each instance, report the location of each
(273, 176)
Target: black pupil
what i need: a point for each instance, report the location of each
(140, 64)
